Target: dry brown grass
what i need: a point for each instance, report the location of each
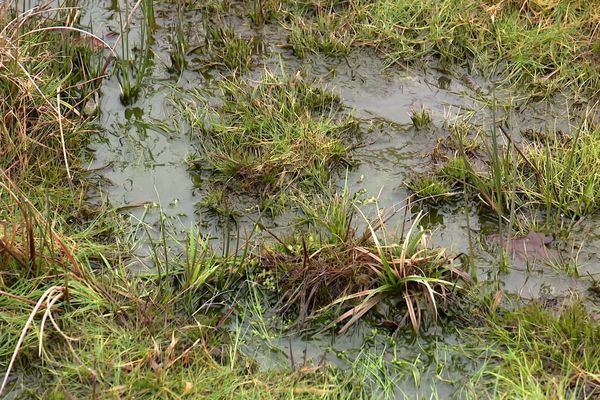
(43, 85)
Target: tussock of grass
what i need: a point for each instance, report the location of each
(421, 119)
(180, 47)
(272, 134)
(333, 264)
(326, 35)
(131, 67)
(455, 169)
(217, 202)
(563, 171)
(430, 187)
(227, 49)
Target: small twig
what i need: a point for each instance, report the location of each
(185, 352)
(14, 296)
(50, 300)
(38, 305)
(62, 134)
(226, 316)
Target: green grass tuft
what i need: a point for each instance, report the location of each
(536, 352)
(421, 119)
(274, 134)
(430, 187)
(327, 35)
(225, 48)
(551, 172)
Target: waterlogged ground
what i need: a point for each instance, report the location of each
(143, 150)
(229, 119)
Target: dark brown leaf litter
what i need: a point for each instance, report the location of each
(528, 248)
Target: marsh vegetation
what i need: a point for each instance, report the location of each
(299, 199)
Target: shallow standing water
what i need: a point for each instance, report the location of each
(143, 153)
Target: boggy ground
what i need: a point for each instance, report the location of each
(78, 321)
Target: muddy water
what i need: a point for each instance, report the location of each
(142, 154)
